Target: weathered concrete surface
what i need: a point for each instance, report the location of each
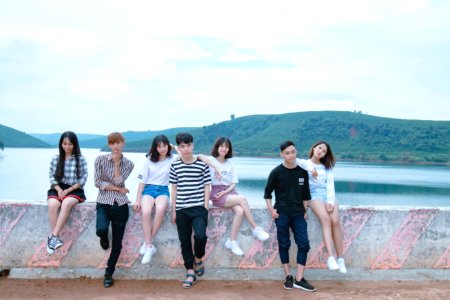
(379, 244)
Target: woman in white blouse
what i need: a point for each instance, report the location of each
(224, 194)
(324, 203)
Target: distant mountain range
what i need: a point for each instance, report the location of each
(352, 135)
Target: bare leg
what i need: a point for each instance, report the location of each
(237, 221)
(53, 208)
(287, 269)
(319, 209)
(336, 230)
(300, 271)
(160, 208)
(147, 204)
(66, 207)
(240, 200)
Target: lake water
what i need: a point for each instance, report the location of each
(24, 176)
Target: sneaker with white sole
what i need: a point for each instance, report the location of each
(234, 247)
(148, 254)
(304, 285)
(50, 248)
(332, 264)
(289, 283)
(260, 234)
(341, 263)
(142, 249)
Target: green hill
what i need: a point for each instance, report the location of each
(353, 136)
(10, 137)
(53, 138)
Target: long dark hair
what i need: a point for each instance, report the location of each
(220, 141)
(328, 160)
(153, 153)
(72, 137)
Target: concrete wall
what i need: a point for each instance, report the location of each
(379, 244)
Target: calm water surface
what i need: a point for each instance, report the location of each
(24, 176)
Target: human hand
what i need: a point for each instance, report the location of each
(137, 205)
(218, 174)
(330, 207)
(274, 214)
(220, 194)
(314, 173)
(123, 190)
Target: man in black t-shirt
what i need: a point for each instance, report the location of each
(291, 186)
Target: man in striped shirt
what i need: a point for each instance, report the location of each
(111, 171)
(190, 179)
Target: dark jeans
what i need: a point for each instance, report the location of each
(187, 219)
(298, 225)
(118, 217)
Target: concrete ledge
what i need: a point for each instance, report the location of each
(379, 244)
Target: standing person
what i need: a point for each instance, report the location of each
(111, 171)
(153, 191)
(290, 183)
(224, 194)
(190, 179)
(324, 203)
(68, 175)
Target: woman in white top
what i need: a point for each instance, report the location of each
(224, 194)
(324, 203)
(153, 191)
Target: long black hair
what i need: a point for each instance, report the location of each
(153, 153)
(72, 137)
(328, 160)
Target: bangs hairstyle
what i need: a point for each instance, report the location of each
(115, 137)
(219, 142)
(153, 153)
(328, 160)
(72, 137)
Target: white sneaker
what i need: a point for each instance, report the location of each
(332, 264)
(341, 262)
(142, 249)
(234, 247)
(148, 254)
(260, 234)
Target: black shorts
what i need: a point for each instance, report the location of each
(78, 193)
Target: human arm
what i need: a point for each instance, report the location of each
(307, 165)
(100, 179)
(268, 195)
(173, 199)
(331, 195)
(207, 195)
(137, 204)
(207, 161)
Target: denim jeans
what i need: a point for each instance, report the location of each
(118, 217)
(297, 224)
(188, 219)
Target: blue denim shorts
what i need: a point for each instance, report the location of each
(318, 193)
(156, 190)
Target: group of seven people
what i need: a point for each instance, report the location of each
(195, 180)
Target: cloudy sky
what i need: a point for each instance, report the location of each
(102, 66)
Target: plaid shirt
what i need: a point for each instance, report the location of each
(104, 176)
(70, 171)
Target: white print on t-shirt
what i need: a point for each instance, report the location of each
(301, 181)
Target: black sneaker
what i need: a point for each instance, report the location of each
(108, 281)
(304, 285)
(57, 242)
(104, 242)
(289, 283)
(50, 248)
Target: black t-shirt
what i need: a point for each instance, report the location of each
(291, 189)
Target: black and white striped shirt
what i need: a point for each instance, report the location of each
(104, 176)
(190, 180)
